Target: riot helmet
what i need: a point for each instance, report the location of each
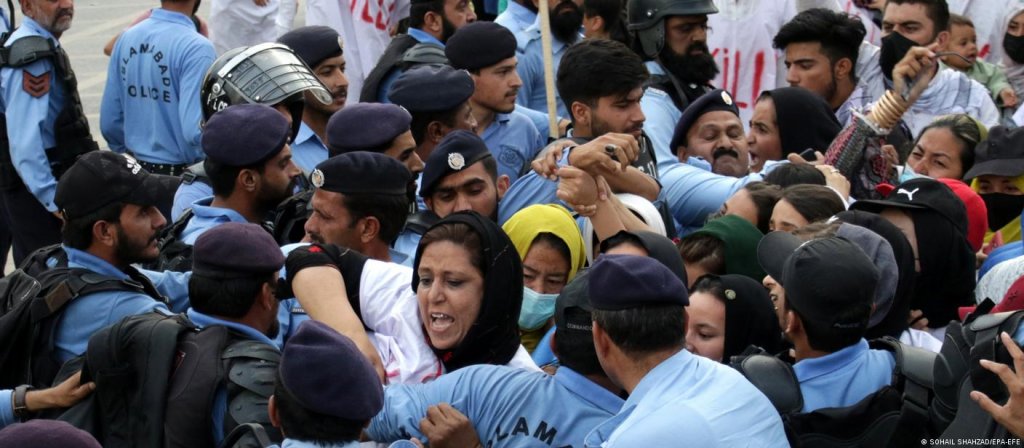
(647, 20)
(268, 74)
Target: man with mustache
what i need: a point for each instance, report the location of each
(566, 20)
(361, 202)
(250, 166)
(431, 23)
(46, 129)
(320, 47)
(488, 51)
(672, 36)
(110, 223)
(711, 130)
(151, 106)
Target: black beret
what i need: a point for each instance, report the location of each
(479, 45)
(366, 127)
(313, 44)
(619, 282)
(717, 99)
(432, 88)
(236, 249)
(362, 172)
(458, 150)
(244, 134)
(43, 433)
(327, 374)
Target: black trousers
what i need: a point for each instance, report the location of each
(29, 224)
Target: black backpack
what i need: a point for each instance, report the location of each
(33, 299)
(156, 378)
(954, 415)
(895, 415)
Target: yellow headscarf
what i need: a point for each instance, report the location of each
(524, 226)
(1010, 232)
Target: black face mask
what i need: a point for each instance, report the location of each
(1002, 208)
(894, 47)
(1014, 46)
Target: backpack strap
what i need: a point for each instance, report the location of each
(420, 222)
(251, 368)
(247, 433)
(914, 374)
(987, 345)
(773, 377)
(26, 50)
(60, 286)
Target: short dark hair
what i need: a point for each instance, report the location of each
(390, 211)
(704, 250)
(299, 423)
(764, 196)
(614, 16)
(223, 177)
(957, 19)
(965, 129)
(576, 348)
(77, 232)
(420, 121)
(646, 329)
(824, 336)
(789, 174)
(418, 11)
(231, 297)
(839, 34)
(813, 202)
(595, 68)
(937, 11)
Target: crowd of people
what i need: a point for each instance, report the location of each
(676, 222)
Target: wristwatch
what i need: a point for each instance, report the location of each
(21, 411)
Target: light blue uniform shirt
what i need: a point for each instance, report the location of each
(688, 400)
(30, 119)
(291, 443)
(220, 399)
(539, 119)
(514, 141)
(528, 190)
(385, 84)
(662, 115)
(516, 17)
(406, 244)
(844, 377)
(188, 194)
(308, 150)
(5, 23)
(693, 193)
(91, 312)
(530, 57)
(206, 217)
(508, 407)
(151, 103)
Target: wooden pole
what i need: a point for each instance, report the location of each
(549, 67)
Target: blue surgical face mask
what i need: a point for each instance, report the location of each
(909, 173)
(537, 309)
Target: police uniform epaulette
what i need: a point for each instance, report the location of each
(656, 92)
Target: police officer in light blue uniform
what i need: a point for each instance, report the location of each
(151, 106)
(514, 407)
(249, 162)
(320, 48)
(829, 284)
(517, 16)
(114, 186)
(510, 135)
(36, 91)
(374, 127)
(242, 254)
(668, 95)
(675, 397)
(244, 76)
(533, 94)
(326, 390)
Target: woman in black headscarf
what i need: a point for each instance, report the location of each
(789, 120)
(468, 281)
(895, 322)
(727, 314)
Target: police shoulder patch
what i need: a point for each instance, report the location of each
(36, 86)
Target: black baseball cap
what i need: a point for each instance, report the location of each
(572, 307)
(821, 276)
(101, 178)
(921, 193)
(1001, 154)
